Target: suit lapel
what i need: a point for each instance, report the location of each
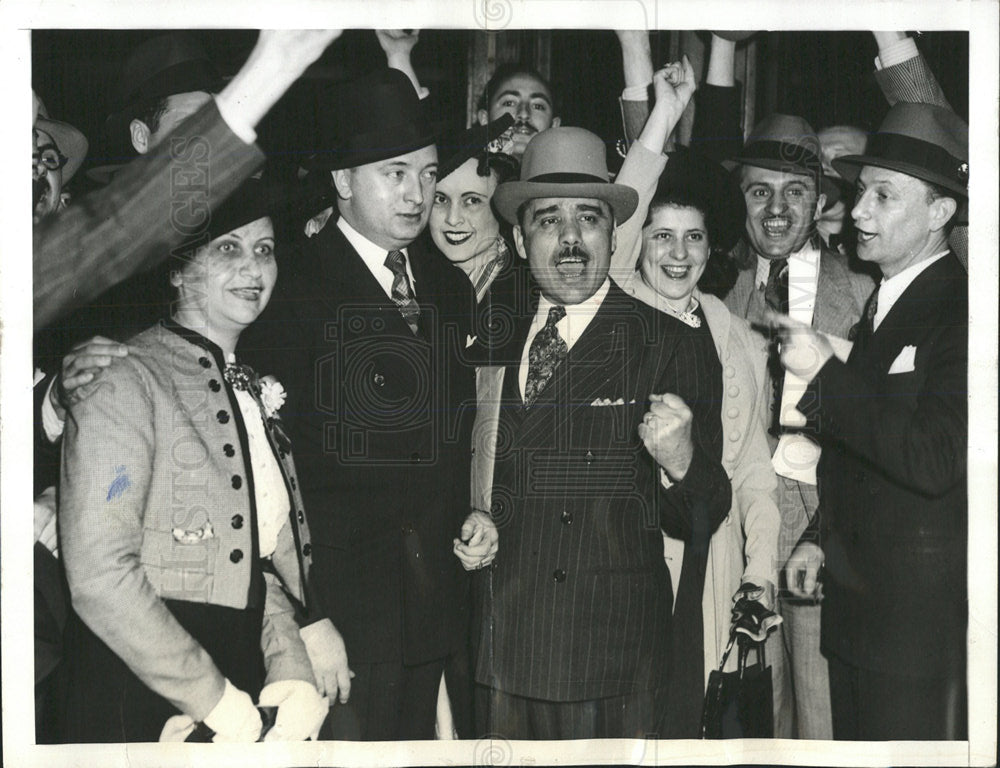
(834, 299)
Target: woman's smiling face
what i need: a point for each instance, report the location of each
(462, 223)
(675, 249)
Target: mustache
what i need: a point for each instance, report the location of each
(523, 125)
(38, 188)
(573, 251)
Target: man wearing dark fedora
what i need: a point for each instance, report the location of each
(785, 267)
(594, 454)
(367, 333)
(891, 535)
(163, 81)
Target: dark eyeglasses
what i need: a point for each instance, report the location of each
(50, 157)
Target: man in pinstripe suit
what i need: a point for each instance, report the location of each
(607, 429)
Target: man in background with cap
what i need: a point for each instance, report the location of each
(607, 426)
(892, 531)
(367, 334)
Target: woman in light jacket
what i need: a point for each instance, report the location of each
(185, 542)
(694, 212)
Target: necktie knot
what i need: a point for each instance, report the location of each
(396, 262)
(556, 314)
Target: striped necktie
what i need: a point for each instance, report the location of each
(546, 352)
(402, 293)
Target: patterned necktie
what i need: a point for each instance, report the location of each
(402, 293)
(547, 350)
(776, 290)
(776, 298)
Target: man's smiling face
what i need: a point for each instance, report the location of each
(781, 210)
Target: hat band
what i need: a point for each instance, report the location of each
(567, 178)
(783, 152)
(387, 137)
(896, 147)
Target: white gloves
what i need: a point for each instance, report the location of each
(234, 718)
(301, 710)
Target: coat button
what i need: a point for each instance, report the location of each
(730, 458)
(730, 371)
(414, 458)
(307, 549)
(589, 457)
(237, 482)
(223, 417)
(379, 380)
(236, 555)
(214, 385)
(734, 391)
(301, 517)
(237, 521)
(732, 413)
(229, 450)
(281, 454)
(566, 518)
(559, 575)
(735, 435)
(204, 362)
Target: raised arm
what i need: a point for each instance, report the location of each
(165, 195)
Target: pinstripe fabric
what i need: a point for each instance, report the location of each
(131, 224)
(581, 597)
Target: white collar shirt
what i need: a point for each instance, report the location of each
(803, 281)
(571, 327)
(374, 257)
(890, 290)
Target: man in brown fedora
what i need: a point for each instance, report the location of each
(607, 431)
(891, 535)
(367, 332)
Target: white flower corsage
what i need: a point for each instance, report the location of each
(272, 395)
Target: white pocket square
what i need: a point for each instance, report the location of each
(904, 360)
(602, 401)
(470, 340)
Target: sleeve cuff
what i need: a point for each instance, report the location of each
(637, 92)
(51, 423)
(897, 53)
(240, 127)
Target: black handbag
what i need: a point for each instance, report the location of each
(739, 705)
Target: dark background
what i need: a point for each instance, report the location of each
(825, 77)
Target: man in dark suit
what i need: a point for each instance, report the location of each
(892, 529)
(607, 430)
(368, 333)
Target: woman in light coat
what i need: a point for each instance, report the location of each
(182, 529)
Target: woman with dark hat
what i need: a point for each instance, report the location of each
(695, 216)
(462, 224)
(185, 543)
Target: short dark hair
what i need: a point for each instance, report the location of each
(505, 72)
(153, 113)
(935, 192)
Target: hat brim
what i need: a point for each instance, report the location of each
(71, 142)
(338, 159)
(510, 196)
(849, 166)
(826, 185)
